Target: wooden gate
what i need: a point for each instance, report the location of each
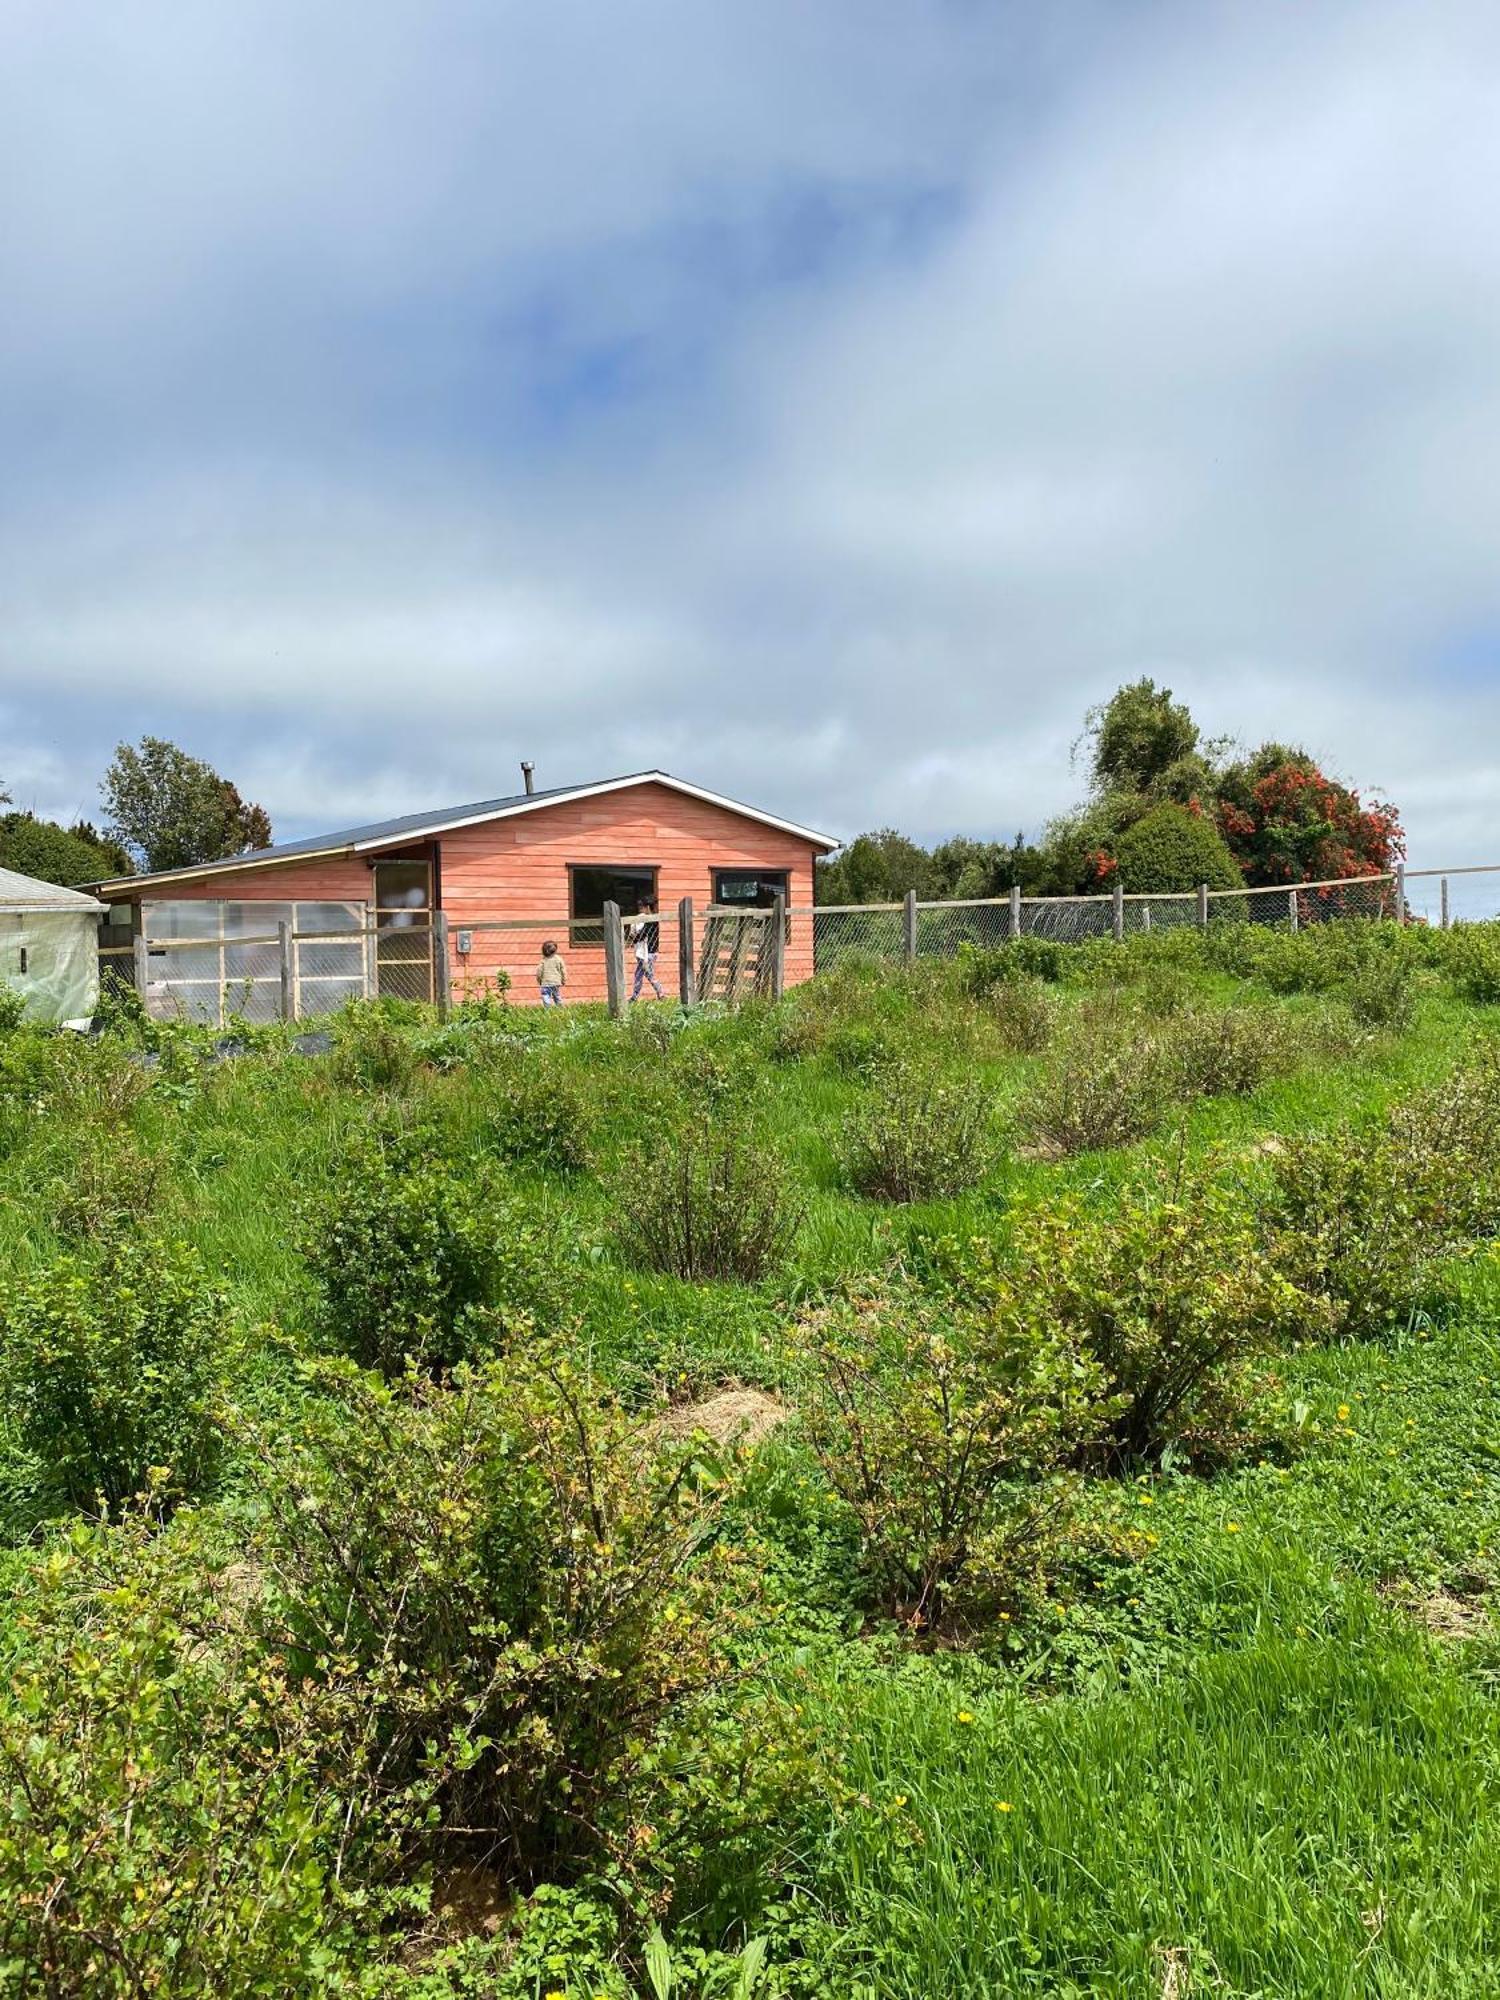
(738, 954)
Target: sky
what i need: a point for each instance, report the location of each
(825, 400)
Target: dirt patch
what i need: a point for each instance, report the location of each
(730, 1417)
(1446, 1614)
(1267, 1148)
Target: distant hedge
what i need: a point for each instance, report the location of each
(1173, 849)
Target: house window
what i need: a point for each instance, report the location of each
(590, 888)
(751, 888)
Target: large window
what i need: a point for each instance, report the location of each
(750, 888)
(590, 888)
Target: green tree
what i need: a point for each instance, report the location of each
(876, 868)
(52, 853)
(171, 810)
(1170, 850)
(1139, 734)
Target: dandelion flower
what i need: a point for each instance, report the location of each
(1231, 1527)
(1003, 1805)
(1343, 1413)
(964, 1715)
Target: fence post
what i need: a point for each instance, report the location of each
(1015, 909)
(1203, 906)
(442, 987)
(614, 959)
(142, 967)
(778, 945)
(687, 964)
(1145, 916)
(1291, 909)
(909, 926)
(1443, 889)
(1118, 913)
(288, 980)
(1400, 872)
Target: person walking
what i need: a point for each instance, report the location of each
(645, 935)
(552, 974)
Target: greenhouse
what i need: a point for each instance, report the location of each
(49, 949)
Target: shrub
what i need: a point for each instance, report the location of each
(1382, 993)
(111, 1371)
(406, 1249)
(375, 1046)
(982, 970)
(168, 1821)
(702, 1206)
(12, 1007)
(1229, 1051)
(1294, 962)
(1361, 1219)
(103, 1187)
(944, 1437)
(491, 1595)
(920, 1137)
(1170, 851)
(1108, 1084)
(1169, 1293)
(1024, 1015)
(538, 1115)
(859, 1048)
(1472, 957)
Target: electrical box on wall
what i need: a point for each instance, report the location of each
(465, 943)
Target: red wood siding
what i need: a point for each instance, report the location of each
(518, 869)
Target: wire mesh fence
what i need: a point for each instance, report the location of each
(218, 963)
(896, 932)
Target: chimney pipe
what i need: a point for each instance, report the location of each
(528, 777)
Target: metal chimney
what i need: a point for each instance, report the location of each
(528, 777)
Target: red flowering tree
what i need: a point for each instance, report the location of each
(1285, 821)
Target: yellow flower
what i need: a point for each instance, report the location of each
(1146, 1500)
(1343, 1413)
(899, 1801)
(1231, 1527)
(1002, 1805)
(964, 1715)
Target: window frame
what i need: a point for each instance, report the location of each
(587, 933)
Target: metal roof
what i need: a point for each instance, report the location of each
(24, 894)
(417, 826)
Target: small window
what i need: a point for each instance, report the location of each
(591, 888)
(750, 888)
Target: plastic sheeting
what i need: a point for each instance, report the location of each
(51, 958)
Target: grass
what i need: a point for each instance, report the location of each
(1215, 1750)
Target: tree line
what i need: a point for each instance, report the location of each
(1165, 809)
(164, 809)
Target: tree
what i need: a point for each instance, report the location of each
(52, 853)
(1173, 849)
(1139, 735)
(172, 810)
(1284, 820)
(876, 868)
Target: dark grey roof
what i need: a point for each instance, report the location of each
(354, 836)
(387, 830)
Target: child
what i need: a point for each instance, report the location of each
(551, 974)
(645, 935)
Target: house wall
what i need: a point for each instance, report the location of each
(517, 869)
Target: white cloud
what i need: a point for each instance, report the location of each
(1191, 370)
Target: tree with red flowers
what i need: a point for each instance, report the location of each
(1284, 820)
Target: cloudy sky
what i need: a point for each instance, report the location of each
(825, 399)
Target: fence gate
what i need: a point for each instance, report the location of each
(736, 955)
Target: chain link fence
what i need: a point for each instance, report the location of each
(896, 932)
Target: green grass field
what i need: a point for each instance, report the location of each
(1228, 1727)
